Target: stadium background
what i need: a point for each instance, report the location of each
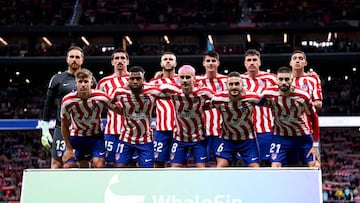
(328, 31)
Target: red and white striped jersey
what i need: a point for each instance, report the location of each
(237, 121)
(311, 84)
(85, 115)
(109, 84)
(189, 110)
(262, 117)
(212, 116)
(165, 111)
(137, 113)
(290, 111)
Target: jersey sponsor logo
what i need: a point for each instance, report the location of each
(255, 158)
(203, 157)
(101, 153)
(66, 84)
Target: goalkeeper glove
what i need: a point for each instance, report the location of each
(46, 138)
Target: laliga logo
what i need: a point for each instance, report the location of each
(111, 197)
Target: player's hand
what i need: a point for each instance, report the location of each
(311, 72)
(316, 155)
(119, 109)
(68, 154)
(158, 75)
(46, 138)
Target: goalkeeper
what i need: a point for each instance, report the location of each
(59, 86)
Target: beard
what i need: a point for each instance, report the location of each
(169, 69)
(234, 93)
(137, 89)
(284, 88)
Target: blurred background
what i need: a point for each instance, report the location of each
(35, 34)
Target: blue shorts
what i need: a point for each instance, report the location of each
(285, 147)
(162, 144)
(58, 145)
(211, 142)
(128, 152)
(230, 150)
(179, 151)
(112, 146)
(264, 141)
(87, 147)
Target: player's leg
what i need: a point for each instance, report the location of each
(279, 150)
(57, 149)
(97, 145)
(224, 153)
(249, 151)
(112, 146)
(162, 144)
(124, 157)
(178, 154)
(146, 154)
(264, 141)
(199, 153)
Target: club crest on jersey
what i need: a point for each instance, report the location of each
(219, 87)
(305, 87)
(59, 153)
(273, 156)
(261, 83)
(146, 100)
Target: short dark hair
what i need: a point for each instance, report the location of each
(75, 48)
(252, 52)
(134, 69)
(284, 69)
(211, 54)
(234, 74)
(298, 51)
(120, 50)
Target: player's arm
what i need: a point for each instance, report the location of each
(46, 137)
(317, 104)
(316, 132)
(65, 124)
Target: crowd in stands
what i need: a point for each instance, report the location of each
(210, 12)
(171, 14)
(19, 150)
(340, 150)
(182, 13)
